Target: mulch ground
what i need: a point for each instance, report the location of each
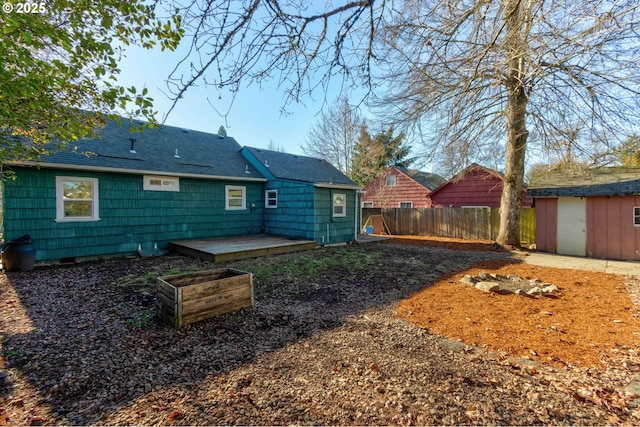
(589, 319)
(371, 334)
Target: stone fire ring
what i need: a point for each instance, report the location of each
(510, 284)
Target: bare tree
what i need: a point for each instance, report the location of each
(510, 72)
(478, 72)
(302, 45)
(275, 147)
(335, 135)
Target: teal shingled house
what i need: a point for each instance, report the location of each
(126, 191)
(306, 197)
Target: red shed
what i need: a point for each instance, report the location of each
(476, 186)
(399, 187)
(595, 213)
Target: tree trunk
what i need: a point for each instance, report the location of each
(511, 201)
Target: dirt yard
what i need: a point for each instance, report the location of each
(371, 334)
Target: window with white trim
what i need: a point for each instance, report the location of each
(406, 204)
(339, 205)
(235, 198)
(271, 199)
(161, 183)
(636, 216)
(391, 180)
(76, 199)
(367, 204)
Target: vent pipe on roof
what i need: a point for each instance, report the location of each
(177, 156)
(246, 169)
(222, 132)
(132, 150)
(266, 163)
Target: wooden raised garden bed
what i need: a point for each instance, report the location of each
(186, 298)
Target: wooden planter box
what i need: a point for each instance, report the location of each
(186, 298)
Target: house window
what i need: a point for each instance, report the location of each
(161, 183)
(406, 204)
(271, 199)
(339, 202)
(367, 204)
(76, 199)
(636, 216)
(235, 198)
(391, 180)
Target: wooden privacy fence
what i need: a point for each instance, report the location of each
(463, 223)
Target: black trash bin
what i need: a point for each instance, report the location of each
(19, 254)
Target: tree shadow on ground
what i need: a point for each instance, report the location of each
(93, 345)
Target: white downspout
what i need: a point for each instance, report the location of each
(355, 218)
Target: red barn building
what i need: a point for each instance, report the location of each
(399, 187)
(476, 187)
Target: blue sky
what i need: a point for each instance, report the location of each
(254, 119)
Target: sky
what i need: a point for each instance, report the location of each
(254, 119)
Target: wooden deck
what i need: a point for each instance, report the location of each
(233, 248)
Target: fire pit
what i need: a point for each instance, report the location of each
(509, 284)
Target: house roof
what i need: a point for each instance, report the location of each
(614, 181)
(426, 179)
(166, 150)
(301, 168)
(465, 171)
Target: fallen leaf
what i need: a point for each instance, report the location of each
(176, 415)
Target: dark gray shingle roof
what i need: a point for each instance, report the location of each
(616, 181)
(198, 153)
(428, 180)
(300, 168)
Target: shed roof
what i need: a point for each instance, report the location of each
(300, 168)
(165, 150)
(613, 181)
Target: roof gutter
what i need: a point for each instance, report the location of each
(132, 171)
(337, 186)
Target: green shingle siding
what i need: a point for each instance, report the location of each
(295, 209)
(304, 211)
(340, 229)
(128, 215)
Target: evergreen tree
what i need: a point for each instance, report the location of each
(374, 155)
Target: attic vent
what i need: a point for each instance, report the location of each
(177, 156)
(266, 163)
(132, 150)
(246, 169)
(222, 132)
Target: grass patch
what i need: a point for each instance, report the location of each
(308, 265)
(141, 319)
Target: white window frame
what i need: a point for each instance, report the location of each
(334, 197)
(60, 200)
(636, 216)
(405, 207)
(271, 198)
(242, 198)
(366, 205)
(167, 183)
(390, 181)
